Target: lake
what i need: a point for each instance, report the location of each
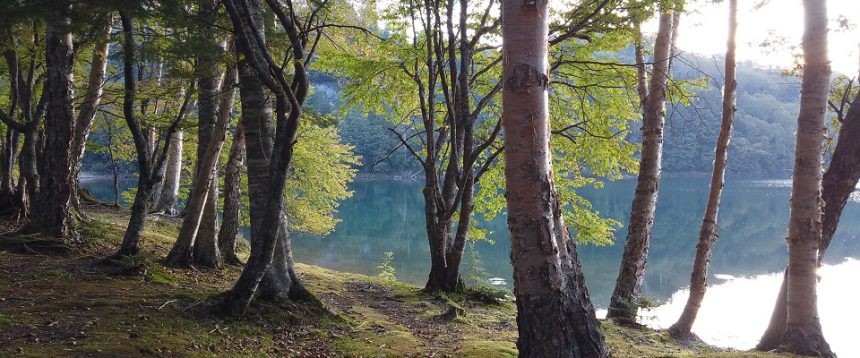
(387, 215)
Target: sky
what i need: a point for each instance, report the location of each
(704, 29)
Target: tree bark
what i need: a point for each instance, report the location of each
(264, 273)
(150, 159)
(7, 164)
(192, 247)
(139, 208)
(450, 151)
(87, 109)
(803, 328)
(28, 181)
(205, 245)
(623, 304)
(839, 182)
(555, 317)
(229, 231)
(167, 200)
(708, 234)
(51, 214)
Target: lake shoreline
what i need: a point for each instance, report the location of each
(166, 311)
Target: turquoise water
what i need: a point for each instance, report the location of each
(387, 215)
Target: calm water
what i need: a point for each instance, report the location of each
(387, 215)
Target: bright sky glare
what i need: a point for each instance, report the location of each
(704, 29)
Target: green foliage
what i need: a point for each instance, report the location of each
(321, 171)
(386, 270)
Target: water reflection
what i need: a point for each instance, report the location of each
(735, 311)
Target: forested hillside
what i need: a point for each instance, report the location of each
(763, 138)
(767, 103)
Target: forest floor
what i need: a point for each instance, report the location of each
(68, 304)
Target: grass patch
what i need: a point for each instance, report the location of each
(143, 265)
(483, 348)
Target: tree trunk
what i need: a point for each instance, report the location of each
(87, 109)
(438, 233)
(229, 231)
(140, 206)
(137, 220)
(708, 233)
(150, 159)
(555, 317)
(839, 182)
(167, 201)
(623, 305)
(454, 254)
(803, 329)
(7, 165)
(52, 214)
(192, 246)
(267, 175)
(28, 181)
(205, 245)
(113, 162)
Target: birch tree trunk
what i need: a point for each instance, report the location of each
(7, 163)
(87, 109)
(555, 317)
(623, 305)
(191, 246)
(167, 200)
(839, 182)
(708, 234)
(205, 244)
(803, 328)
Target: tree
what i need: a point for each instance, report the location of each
(26, 112)
(89, 105)
(207, 71)
(229, 232)
(44, 184)
(803, 328)
(269, 272)
(51, 213)
(190, 237)
(150, 156)
(443, 123)
(167, 200)
(839, 182)
(623, 305)
(554, 313)
(708, 232)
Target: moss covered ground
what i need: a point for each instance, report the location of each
(70, 304)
